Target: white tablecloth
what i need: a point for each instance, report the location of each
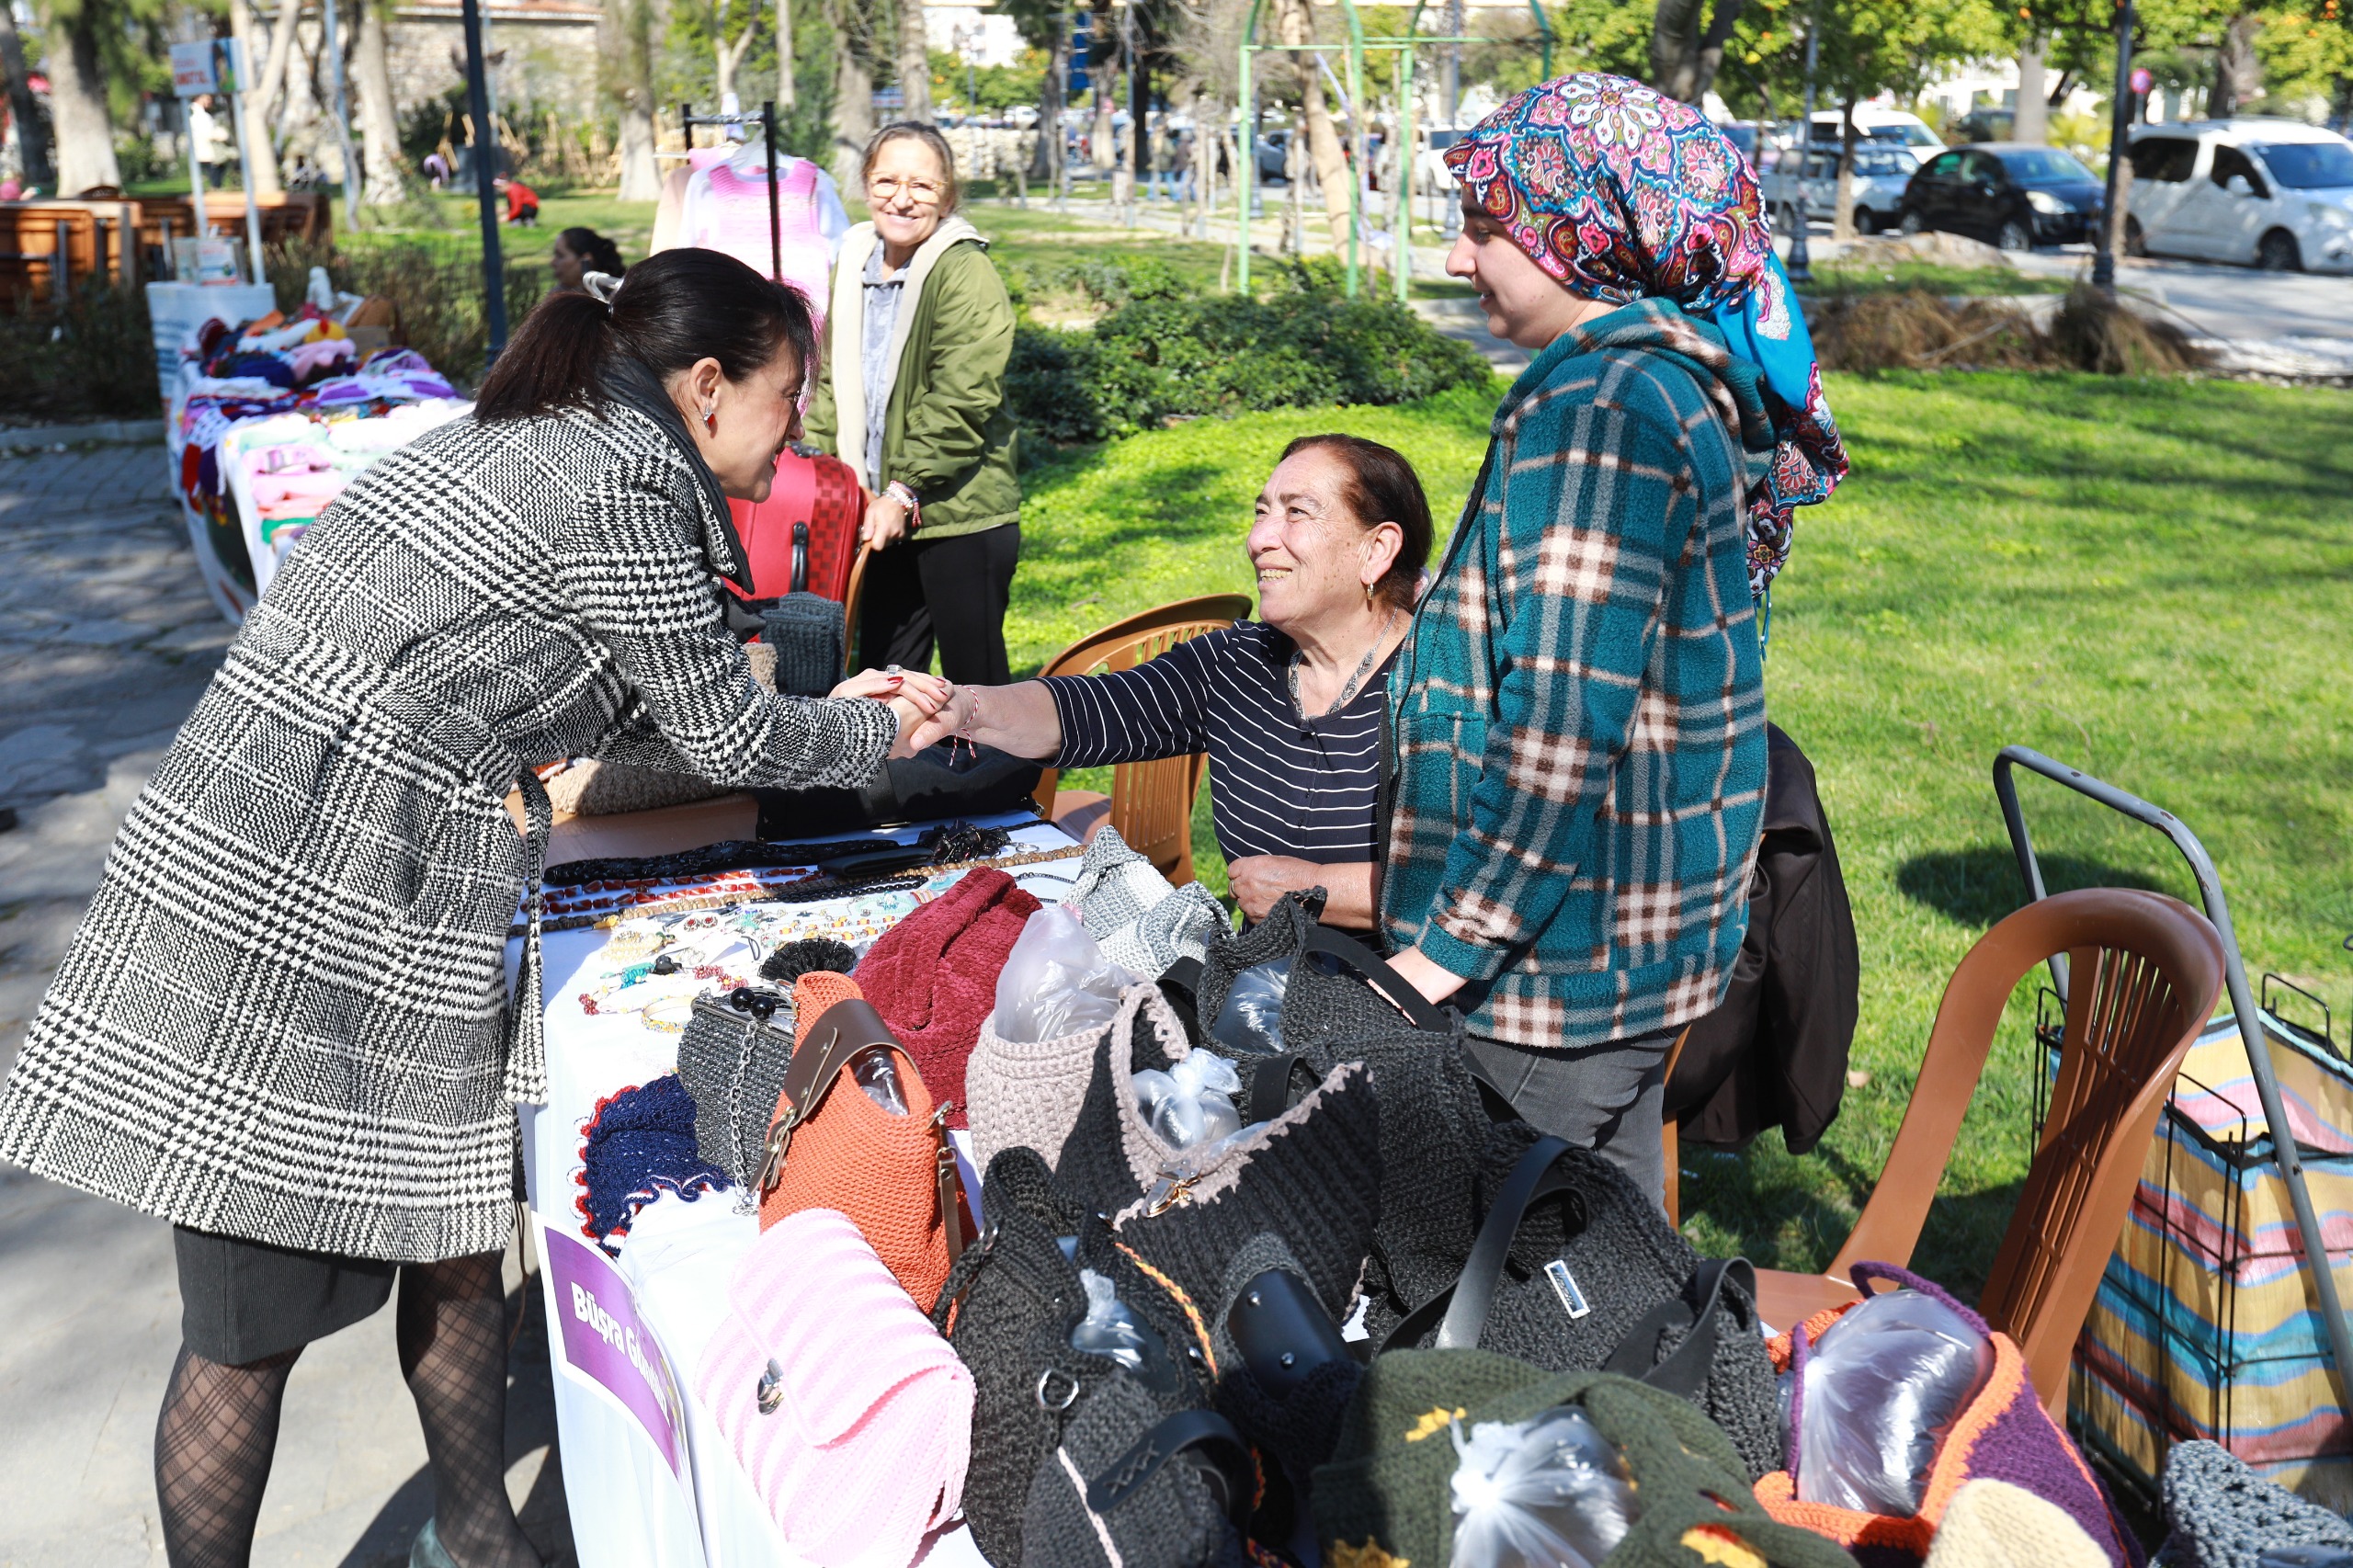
(649, 1478)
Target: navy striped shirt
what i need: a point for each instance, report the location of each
(1278, 784)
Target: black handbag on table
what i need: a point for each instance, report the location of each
(1573, 1270)
(954, 778)
(731, 1058)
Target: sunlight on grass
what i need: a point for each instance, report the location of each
(2149, 579)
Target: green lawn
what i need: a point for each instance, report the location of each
(1934, 277)
(2149, 579)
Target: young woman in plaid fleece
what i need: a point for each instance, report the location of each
(1580, 705)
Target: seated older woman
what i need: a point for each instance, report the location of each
(1290, 708)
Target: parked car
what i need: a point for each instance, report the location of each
(1904, 129)
(2006, 193)
(2275, 193)
(1883, 169)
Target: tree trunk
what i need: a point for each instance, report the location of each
(787, 92)
(1685, 57)
(379, 121)
(273, 93)
(1046, 161)
(260, 149)
(32, 134)
(2238, 74)
(77, 98)
(1842, 205)
(640, 179)
(1332, 172)
(2031, 122)
(727, 57)
(914, 63)
(853, 116)
(1101, 63)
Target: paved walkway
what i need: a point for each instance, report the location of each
(105, 641)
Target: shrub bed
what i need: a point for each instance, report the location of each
(1164, 354)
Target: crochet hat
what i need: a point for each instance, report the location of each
(2223, 1515)
(1388, 1496)
(933, 976)
(639, 1144)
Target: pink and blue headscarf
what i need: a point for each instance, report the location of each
(1621, 193)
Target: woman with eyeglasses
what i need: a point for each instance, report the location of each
(913, 397)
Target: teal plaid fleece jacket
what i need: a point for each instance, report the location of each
(1579, 710)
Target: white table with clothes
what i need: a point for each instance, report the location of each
(649, 1477)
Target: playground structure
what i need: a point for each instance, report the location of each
(1351, 93)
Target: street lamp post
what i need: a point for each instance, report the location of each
(1800, 261)
(2120, 132)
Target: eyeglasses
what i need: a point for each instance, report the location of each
(922, 192)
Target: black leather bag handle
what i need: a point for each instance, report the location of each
(1270, 1090)
(1459, 1310)
(1685, 1372)
(1203, 1437)
(1371, 967)
(800, 558)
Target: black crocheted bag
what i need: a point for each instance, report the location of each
(1573, 1270)
(1009, 1308)
(731, 1058)
(1133, 1486)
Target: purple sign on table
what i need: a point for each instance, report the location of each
(603, 1338)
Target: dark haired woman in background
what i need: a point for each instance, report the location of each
(284, 1023)
(1288, 708)
(579, 252)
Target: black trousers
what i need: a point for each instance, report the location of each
(952, 590)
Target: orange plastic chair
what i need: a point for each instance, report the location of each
(1150, 803)
(850, 597)
(2146, 971)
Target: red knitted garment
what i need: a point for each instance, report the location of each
(933, 976)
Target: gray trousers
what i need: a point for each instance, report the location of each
(1607, 1098)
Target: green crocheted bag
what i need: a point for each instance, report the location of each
(1385, 1500)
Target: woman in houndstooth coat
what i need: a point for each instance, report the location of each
(284, 1025)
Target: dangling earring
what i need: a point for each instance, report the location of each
(711, 420)
(1368, 595)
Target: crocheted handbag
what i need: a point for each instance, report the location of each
(731, 1058)
(1573, 1270)
(1010, 1307)
(1310, 1173)
(805, 630)
(1026, 1094)
(1142, 923)
(933, 976)
(852, 1418)
(832, 1146)
(1390, 1495)
(1132, 1487)
(1327, 1001)
(2002, 1433)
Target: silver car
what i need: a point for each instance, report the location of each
(1882, 168)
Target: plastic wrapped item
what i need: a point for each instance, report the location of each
(1549, 1492)
(1056, 981)
(1109, 1328)
(1193, 1102)
(877, 1074)
(1251, 1018)
(1882, 1389)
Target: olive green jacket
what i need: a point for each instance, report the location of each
(947, 434)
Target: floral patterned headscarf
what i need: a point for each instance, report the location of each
(1621, 193)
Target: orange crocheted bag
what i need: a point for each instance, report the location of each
(832, 1146)
(2002, 1434)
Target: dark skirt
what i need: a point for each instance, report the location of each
(241, 1301)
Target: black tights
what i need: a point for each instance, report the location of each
(219, 1427)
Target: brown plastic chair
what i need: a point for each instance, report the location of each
(851, 595)
(2145, 970)
(1151, 803)
(1670, 1137)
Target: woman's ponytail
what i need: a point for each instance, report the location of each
(673, 308)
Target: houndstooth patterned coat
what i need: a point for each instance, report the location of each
(285, 1016)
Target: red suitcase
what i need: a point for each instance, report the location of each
(821, 491)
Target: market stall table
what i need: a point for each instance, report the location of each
(649, 1477)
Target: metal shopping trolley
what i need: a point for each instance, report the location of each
(2210, 1320)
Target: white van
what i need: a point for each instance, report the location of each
(1880, 125)
(2272, 193)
